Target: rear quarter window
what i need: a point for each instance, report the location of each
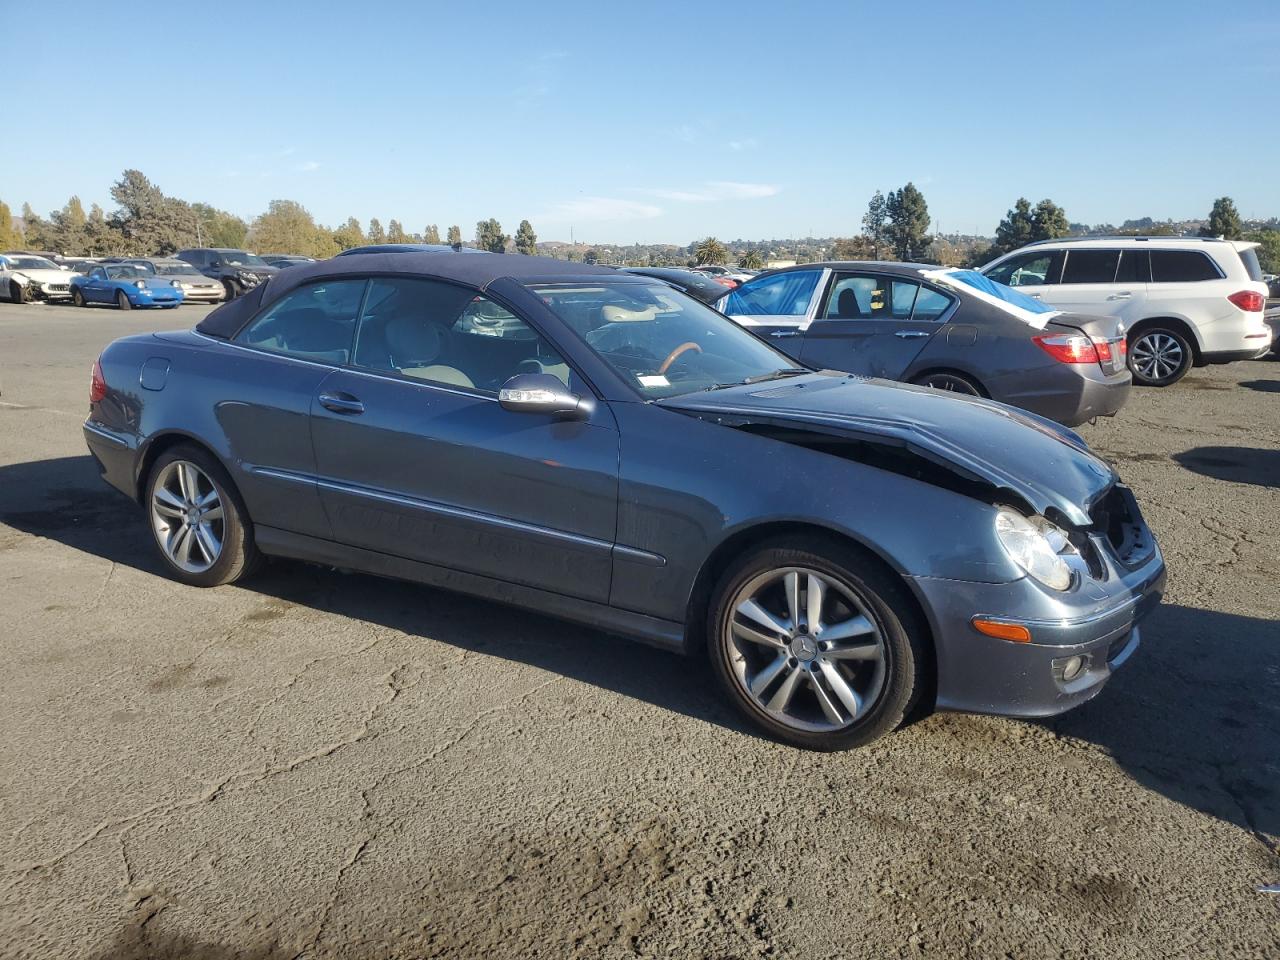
(1251, 265)
(1182, 266)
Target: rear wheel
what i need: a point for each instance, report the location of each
(816, 643)
(198, 521)
(1159, 356)
(122, 300)
(953, 382)
(17, 292)
(77, 298)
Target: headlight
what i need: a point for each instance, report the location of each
(140, 284)
(177, 283)
(1034, 545)
(248, 277)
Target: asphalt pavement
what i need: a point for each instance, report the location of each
(319, 764)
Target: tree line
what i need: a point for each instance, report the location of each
(147, 221)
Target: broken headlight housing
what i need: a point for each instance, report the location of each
(1035, 545)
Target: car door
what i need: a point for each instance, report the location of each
(1088, 283)
(778, 306)
(1031, 272)
(95, 287)
(274, 366)
(874, 324)
(416, 457)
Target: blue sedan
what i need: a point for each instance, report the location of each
(127, 285)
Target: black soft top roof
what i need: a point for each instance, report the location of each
(478, 272)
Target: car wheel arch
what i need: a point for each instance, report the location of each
(156, 445)
(1182, 326)
(756, 535)
(918, 375)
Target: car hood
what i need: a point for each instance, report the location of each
(47, 276)
(1041, 462)
(265, 270)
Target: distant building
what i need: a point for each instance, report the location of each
(775, 264)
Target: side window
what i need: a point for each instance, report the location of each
(438, 332)
(1091, 266)
(930, 304)
(99, 274)
(871, 297)
(1135, 267)
(315, 322)
(781, 295)
(1181, 266)
(1030, 269)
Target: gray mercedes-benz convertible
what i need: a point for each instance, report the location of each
(849, 553)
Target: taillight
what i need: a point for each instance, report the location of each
(725, 282)
(1122, 347)
(1249, 300)
(1103, 346)
(97, 385)
(1069, 347)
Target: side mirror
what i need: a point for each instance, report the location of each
(541, 393)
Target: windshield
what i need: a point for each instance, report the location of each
(127, 271)
(172, 268)
(31, 263)
(662, 342)
(238, 258)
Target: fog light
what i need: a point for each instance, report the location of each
(1072, 667)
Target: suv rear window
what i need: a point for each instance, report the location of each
(1091, 266)
(1251, 265)
(1181, 266)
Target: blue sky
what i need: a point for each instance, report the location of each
(653, 121)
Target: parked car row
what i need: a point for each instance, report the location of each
(594, 444)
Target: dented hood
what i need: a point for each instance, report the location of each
(1041, 462)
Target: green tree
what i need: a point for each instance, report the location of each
(101, 240)
(751, 260)
(1017, 229)
(149, 221)
(1224, 220)
(908, 223)
(455, 237)
(37, 233)
(69, 228)
(526, 239)
(376, 233)
(1049, 221)
(288, 227)
(395, 232)
(711, 251)
(592, 255)
(431, 234)
(489, 236)
(875, 223)
(9, 235)
(855, 248)
(1269, 251)
(348, 235)
(217, 228)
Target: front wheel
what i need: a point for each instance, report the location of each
(230, 290)
(951, 382)
(817, 644)
(198, 521)
(17, 292)
(122, 300)
(77, 298)
(1159, 357)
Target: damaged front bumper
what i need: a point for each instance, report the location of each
(1098, 623)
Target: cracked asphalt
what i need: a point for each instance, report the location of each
(317, 764)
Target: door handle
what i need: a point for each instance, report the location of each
(910, 334)
(784, 333)
(341, 404)
(1124, 295)
(1034, 296)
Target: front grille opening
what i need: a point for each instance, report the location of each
(1116, 519)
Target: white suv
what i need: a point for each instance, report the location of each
(1185, 301)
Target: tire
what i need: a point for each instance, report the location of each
(170, 513)
(1159, 356)
(952, 382)
(77, 298)
(122, 300)
(17, 292)
(231, 290)
(857, 596)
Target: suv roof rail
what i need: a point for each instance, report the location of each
(1124, 236)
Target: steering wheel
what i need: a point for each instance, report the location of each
(675, 355)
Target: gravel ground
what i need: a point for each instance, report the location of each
(316, 764)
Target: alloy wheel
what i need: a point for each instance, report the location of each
(805, 649)
(187, 516)
(949, 382)
(1156, 356)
